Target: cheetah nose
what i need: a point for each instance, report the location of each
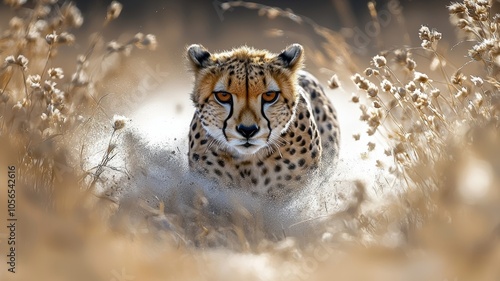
(247, 131)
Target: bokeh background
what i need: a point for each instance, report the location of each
(178, 24)
(132, 230)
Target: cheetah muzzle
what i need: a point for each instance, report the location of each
(261, 124)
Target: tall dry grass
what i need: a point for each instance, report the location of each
(441, 130)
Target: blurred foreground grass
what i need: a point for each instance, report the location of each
(441, 130)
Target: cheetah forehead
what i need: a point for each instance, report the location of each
(226, 83)
(245, 52)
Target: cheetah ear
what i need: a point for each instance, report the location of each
(199, 56)
(291, 57)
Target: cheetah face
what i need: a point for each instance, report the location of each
(245, 98)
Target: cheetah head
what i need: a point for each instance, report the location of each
(246, 98)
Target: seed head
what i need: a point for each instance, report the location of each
(356, 137)
(480, 13)
(10, 60)
(119, 122)
(435, 93)
(56, 73)
(483, 3)
(458, 78)
(400, 56)
(421, 77)
(422, 99)
(372, 90)
(411, 87)
(432, 121)
(334, 83)
(148, 41)
(361, 82)
(368, 72)
(493, 27)
(414, 95)
(479, 100)
(354, 98)
(375, 116)
(138, 38)
(462, 93)
(113, 46)
(364, 113)
(386, 85)
(80, 78)
(428, 37)
(65, 38)
(402, 92)
(114, 10)
(371, 131)
(71, 15)
(437, 35)
(457, 8)
(476, 80)
(462, 23)
(22, 61)
(426, 44)
(17, 106)
(49, 86)
(379, 61)
(371, 146)
(51, 38)
(496, 18)
(33, 81)
(356, 78)
(411, 64)
(424, 33)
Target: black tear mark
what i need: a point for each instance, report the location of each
(268, 122)
(225, 121)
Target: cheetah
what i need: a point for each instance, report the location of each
(261, 123)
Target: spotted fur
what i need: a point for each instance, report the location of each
(266, 148)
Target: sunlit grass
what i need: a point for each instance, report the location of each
(440, 132)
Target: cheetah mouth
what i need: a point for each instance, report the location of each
(247, 145)
(248, 148)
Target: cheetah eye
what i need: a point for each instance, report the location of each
(223, 97)
(270, 97)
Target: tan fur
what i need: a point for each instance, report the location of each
(292, 131)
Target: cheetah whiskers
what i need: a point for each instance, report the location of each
(215, 141)
(282, 141)
(278, 149)
(270, 149)
(210, 144)
(274, 145)
(219, 144)
(276, 141)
